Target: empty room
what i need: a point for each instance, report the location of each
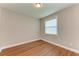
(39, 29)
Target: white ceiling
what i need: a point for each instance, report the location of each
(30, 10)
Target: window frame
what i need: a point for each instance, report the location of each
(56, 26)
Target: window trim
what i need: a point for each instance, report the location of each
(56, 26)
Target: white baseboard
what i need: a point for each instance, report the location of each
(0, 50)
(5, 47)
(70, 49)
(73, 50)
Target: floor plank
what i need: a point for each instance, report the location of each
(37, 48)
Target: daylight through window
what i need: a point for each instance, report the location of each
(51, 26)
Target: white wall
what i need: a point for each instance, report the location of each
(16, 28)
(68, 28)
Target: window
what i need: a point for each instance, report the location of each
(51, 26)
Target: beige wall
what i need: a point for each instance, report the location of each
(68, 28)
(16, 28)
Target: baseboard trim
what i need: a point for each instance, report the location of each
(70, 49)
(1, 50)
(9, 46)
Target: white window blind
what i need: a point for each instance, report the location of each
(51, 26)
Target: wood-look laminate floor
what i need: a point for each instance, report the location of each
(37, 48)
